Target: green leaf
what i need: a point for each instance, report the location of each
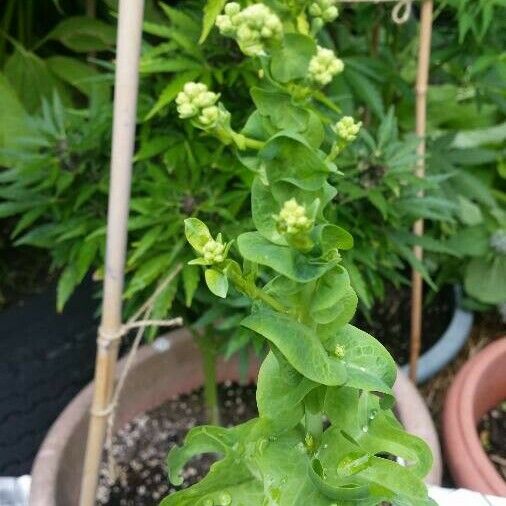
(23, 69)
(290, 61)
(66, 285)
(42, 236)
(330, 288)
(279, 108)
(15, 207)
(282, 259)
(288, 158)
(197, 233)
(486, 279)
(469, 213)
(217, 282)
(333, 237)
(175, 64)
(365, 90)
(368, 364)
(262, 470)
(211, 11)
(191, 277)
(340, 313)
(299, 345)
(14, 122)
(84, 34)
(73, 71)
(357, 476)
(85, 259)
(351, 411)
(280, 394)
(471, 241)
(358, 283)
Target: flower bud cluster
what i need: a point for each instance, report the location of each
(252, 27)
(498, 241)
(292, 218)
(323, 66)
(347, 128)
(196, 101)
(325, 10)
(214, 251)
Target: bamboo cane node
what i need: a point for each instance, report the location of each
(106, 339)
(104, 412)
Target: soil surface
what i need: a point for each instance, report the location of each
(389, 321)
(492, 430)
(140, 447)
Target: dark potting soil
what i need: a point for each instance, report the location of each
(140, 447)
(390, 320)
(492, 430)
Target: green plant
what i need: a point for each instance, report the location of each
(319, 367)
(57, 184)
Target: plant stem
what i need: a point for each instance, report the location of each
(208, 352)
(314, 426)
(253, 143)
(251, 290)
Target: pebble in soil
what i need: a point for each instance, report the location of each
(140, 447)
(492, 430)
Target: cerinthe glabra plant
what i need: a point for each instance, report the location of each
(325, 388)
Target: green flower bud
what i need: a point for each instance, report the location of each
(292, 218)
(214, 251)
(324, 10)
(232, 8)
(324, 66)
(330, 14)
(197, 100)
(315, 10)
(339, 351)
(347, 129)
(209, 115)
(187, 110)
(252, 27)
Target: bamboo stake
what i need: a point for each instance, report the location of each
(125, 106)
(422, 81)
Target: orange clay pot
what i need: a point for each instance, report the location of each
(478, 387)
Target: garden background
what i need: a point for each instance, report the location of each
(57, 64)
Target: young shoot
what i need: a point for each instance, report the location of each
(324, 392)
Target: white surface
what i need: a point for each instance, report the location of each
(461, 497)
(14, 491)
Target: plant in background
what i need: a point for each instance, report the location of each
(379, 198)
(319, 367)
(474, 188)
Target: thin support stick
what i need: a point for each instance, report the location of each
(125, 106)
(422, 82)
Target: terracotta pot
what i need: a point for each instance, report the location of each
(170, 367)
(478, 387)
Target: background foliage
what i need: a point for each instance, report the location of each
(55, 145)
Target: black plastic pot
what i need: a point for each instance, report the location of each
(46, 359)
